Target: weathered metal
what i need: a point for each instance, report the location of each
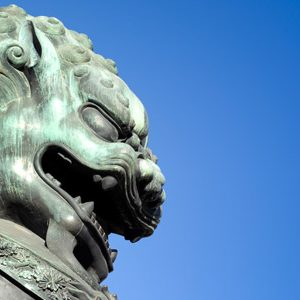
(74, 162)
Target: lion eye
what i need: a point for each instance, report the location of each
(99, 124)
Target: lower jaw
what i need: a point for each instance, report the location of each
(91, 256)
(81, 252)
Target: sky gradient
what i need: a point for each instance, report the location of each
(220, 81)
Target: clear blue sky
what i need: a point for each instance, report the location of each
(221, 82)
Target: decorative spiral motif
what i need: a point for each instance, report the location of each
(7, 25)
(3, 15)
(112, 66)
(50, 26)
(81, 71)
(74, 54)
(123, 100)
(14, 10)
(107, 83)
(82, 38)
(16, 56)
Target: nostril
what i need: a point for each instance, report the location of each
(140, 155)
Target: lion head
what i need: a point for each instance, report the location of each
(75, 165)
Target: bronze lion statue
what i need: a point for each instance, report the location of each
(74, 162)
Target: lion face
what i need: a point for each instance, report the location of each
(75, 165)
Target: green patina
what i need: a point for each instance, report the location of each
(59, 101)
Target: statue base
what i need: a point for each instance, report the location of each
(30, 271)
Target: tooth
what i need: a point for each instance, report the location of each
(97, 178)
(56, 182)
(77, 199)
(49, 176)
(108, 183)
(88, 207)
(113, 255)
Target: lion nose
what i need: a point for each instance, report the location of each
(149, 171)
(151, 183)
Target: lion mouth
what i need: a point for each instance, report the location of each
(79, 183)
(104, 199)
(86, 191)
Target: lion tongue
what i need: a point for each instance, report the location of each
(107, 182)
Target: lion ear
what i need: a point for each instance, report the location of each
(32, 44)
(18, 52)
